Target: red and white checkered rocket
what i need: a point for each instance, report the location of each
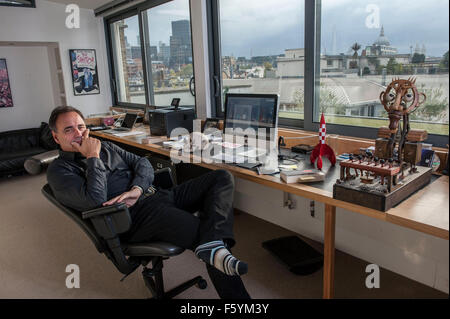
(322, 149)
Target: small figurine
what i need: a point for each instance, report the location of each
(322, 149)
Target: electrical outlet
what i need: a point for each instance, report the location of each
(288, 201)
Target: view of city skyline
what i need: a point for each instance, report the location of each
(280, 25)
(262, 51)
(268, 28)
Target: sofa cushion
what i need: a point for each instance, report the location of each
(16, 140)
(23, 153)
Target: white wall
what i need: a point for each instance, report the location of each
(31, 87)
(46, 23)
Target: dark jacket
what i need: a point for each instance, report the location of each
(85, 184)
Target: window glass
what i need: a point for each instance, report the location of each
(168, 43)
(127, 60)
(262, 50)
(365, 44)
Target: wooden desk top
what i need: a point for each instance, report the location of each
(426, 211)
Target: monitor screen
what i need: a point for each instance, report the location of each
(255, 111)
(129, 120)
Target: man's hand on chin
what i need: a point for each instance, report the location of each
(88, 146)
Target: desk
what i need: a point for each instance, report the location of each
(426, 211)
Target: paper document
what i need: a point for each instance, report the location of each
(257, 152)
(128, 133)
(228, 158)
(228, 144)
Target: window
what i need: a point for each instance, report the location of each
(127, 59)
(361, 53)
(151, 54)
(259, 41)
(167, 31)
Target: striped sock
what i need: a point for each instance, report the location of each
(215, 254)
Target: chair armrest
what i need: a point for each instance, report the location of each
(109, 221)
(164, 178)
(104, 210)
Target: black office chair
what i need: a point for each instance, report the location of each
(103, 226)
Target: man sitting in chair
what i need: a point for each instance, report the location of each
(89, 174)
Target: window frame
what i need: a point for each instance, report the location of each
(312, 40)
(213, 21)
(148, 85)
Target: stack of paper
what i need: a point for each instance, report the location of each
(121, 134)
(302, 176)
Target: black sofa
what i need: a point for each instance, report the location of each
(18, 145)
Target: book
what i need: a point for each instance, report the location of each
(302, 176)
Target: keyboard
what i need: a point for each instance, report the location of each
(98, 128)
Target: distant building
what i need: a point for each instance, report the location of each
(377, 55)
(136, 52)
(154, 52)
(292, 65)
(164, 52)
(381, 47)
(228, 67)
(180, 43)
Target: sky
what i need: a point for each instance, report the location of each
(405, 23)
(159, 22)
(268, 27)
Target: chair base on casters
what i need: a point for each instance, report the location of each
(153, 278)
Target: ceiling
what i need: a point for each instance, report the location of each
(87, 4)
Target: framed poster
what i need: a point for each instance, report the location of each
(84, 71)
(5, 88)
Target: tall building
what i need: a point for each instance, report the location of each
(180, 43)
(136, 52)
(154, 52)
(164, 52)
(182, 29)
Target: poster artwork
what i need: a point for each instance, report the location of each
(5, 88)
(84, 72)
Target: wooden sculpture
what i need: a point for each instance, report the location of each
(400, 99)
(398, 147)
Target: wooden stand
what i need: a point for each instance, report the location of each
(371, 196)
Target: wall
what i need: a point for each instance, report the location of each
(46, 23)
(31, 87)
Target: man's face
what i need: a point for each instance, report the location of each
(69, 128)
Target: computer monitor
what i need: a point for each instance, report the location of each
(245, 111)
